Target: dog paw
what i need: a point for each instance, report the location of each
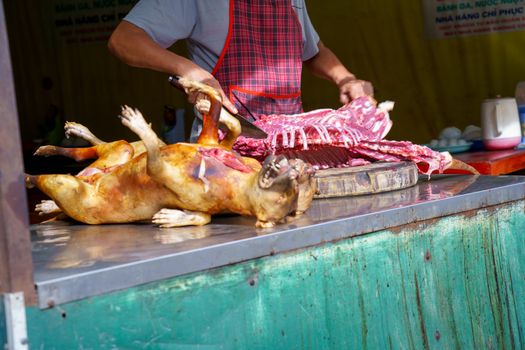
(47, 207)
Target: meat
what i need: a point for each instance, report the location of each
(174, 185)
(349, 136)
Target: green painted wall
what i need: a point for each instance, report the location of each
(3, 335)
(457, 282)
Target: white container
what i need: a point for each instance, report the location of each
(500, 123)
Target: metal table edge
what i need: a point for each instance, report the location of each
(62, 290)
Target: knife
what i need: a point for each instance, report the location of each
(248, 129)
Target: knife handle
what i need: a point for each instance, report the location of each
(174, 80)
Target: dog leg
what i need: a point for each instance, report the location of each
(79, 200)
(78, 154)
(80, 131)
(133, 119)
(177, 218)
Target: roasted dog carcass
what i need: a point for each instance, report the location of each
(175, 185)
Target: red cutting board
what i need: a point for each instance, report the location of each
(493, 162)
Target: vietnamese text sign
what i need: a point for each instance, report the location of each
(85, 21)
(449, 18)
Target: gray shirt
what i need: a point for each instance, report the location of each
(204, 24)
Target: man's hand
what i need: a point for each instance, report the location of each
(351, 88)
(200, 100)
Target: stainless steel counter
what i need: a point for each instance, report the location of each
(76, 261)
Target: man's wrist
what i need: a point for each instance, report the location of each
(345, 80)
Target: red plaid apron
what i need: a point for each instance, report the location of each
(260, 65)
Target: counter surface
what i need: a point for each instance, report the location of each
(74, 261)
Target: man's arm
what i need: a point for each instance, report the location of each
(133, 46)
(326, 65)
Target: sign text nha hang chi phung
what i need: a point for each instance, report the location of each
(452, 18)
(87, 21)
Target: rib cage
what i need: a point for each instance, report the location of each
(351, 135)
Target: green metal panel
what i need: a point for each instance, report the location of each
(3, 334)
(455, 282)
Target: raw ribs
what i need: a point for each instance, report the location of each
(349, 136)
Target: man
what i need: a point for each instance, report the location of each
(252, 51)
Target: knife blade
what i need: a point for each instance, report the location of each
(248, 129)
